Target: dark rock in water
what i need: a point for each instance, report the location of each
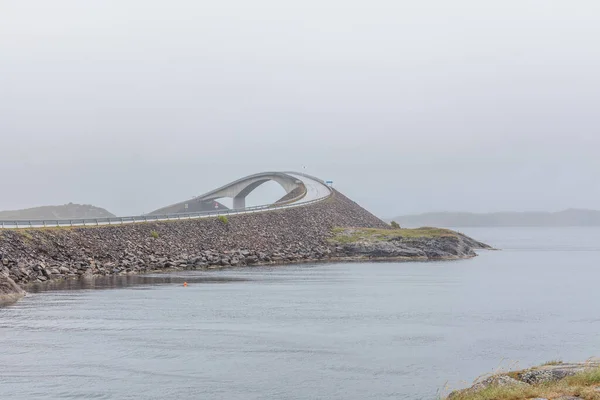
(9, 290)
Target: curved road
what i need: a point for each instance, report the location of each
(316, 191)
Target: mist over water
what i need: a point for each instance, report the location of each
(335, 331)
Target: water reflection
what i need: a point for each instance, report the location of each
(116, 282)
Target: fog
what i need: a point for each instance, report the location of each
(408, 106)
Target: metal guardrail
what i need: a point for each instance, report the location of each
(14, 224)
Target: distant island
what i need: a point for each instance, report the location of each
(67, 211)
(566, 218)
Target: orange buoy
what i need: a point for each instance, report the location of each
(184, 284)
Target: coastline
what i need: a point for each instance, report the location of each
(332, 260)
(334, 230)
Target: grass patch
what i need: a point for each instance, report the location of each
(352, 235)
(154, 234)
(25, 234)
(223, 219)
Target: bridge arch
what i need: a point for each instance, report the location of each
(237, 190)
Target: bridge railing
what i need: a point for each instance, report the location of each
(33, 223)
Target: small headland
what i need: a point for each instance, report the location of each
(554, 380)
(403, 244)
(336, 229)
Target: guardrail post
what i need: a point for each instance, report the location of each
(71, 222)
(121, 220)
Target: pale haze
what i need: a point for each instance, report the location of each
(408, 106)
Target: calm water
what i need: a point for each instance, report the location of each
(342, 331)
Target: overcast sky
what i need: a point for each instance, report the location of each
(408, 106)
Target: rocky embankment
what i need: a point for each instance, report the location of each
(294, 235)
(552, 381)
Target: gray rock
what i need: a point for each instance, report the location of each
(496, 380)
(381, 249)
(9, 290)
(551, 373)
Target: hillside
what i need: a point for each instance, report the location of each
(66, 211)
(572, 217)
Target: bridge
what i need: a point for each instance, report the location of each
(301, 189)
(238, 191)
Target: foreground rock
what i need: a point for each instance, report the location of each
(564, 381)
(9, 290)
(302, 234)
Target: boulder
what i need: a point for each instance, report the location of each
(9, 290)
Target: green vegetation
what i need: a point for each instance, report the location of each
(584, 385)
(352, 235)
(223, 219)
(395, 225)
(154, 234)
(26, 235)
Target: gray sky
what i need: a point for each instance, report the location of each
(409, 106)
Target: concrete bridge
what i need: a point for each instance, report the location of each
(237, 190)
(301, 189)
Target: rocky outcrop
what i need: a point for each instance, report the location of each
(9, 290)
(552, 373)
(530, 379)
(293, 235)
(449, 247)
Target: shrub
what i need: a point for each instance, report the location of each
(223, 219)
(154, 234)
(395, 225)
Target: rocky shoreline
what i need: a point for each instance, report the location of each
(314, 233)
(552, 381)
